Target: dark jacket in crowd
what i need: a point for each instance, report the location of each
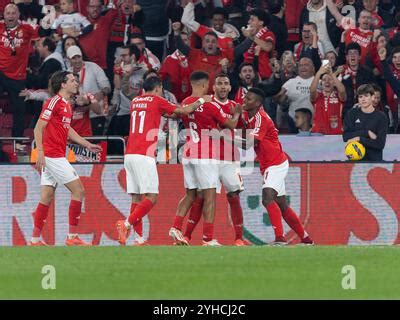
(155, 17)
(357, 123)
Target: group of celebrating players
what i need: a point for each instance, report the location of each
(215, 126)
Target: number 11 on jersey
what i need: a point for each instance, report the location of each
(142, 115)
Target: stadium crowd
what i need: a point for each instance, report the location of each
(309, 58)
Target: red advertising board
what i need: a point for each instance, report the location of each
(339, 203)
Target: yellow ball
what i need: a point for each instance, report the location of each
(354, 151)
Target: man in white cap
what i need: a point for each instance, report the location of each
(93, 86)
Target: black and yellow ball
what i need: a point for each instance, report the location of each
(354, 151)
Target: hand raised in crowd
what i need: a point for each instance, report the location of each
(248, 32)
(325, 69)
(382, 53)
(257, 50)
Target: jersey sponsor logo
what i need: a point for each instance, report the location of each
(143, 99)
(46, 114)
(358, 121)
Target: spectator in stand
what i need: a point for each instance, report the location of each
(394, 33)
(175, 71)
(328, 102)
(128, 82)
(209, 58)
(248, 78)
(354, 74)
(288, 66)
(387, 11)
(146, 55)
(381, 106)
(94, 44)
(129, 19)
(292, 20)
(226, 33)
(331, 56)
(278, 26)
(92, 80)
(372, 7)
(70, 22)
(361, 35)
(258, 34)
(155, 25)
(309, 46)
(65, 44)
(391, 73)
(328, 33)
(52, 62)
(366, 124)
(303, 122)
(15, 45)
(295, 93)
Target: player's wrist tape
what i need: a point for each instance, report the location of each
(201, 100)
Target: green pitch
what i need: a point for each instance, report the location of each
(257, 272)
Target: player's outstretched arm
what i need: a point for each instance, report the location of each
(232, 123)
(190, 108)
(75, 137)
(38, 134)
(244, 143)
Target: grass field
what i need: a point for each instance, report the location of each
(257, 272)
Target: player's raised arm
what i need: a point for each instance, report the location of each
(190, 108)
(232, 123)
(38, 134)
(75, 137)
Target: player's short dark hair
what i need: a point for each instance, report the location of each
(245, 64)
(211, 33)
(56, 81)
(199, 75)
(305, 111)
(221, 75)
(220, 11)
(151, 83)
(258, 92)
(50, 44)
(353, 46)
(274, 6)
(261, 14)
(365, 89)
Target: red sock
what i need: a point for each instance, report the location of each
(39, 219)
(142, 208)
(138, 228)
(208, 231)
(294, 222)
(74, 213)
(275, 216)
(194, 217)
(236, 215)
(178, 222)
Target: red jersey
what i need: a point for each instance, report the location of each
(224, 43)
(206, 117)
(267, 147)
(81, 123)
(176, 69)
(95, 43)
(241, 94)
(227, 151)
(363, 38)
(15, 46)
(146, 111)
(199, 60)
(57, 112)
(264, 67)
(328, 114)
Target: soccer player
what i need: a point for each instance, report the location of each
(200, 161)
(263, 136)
(51, 133)
(140, 165)
(229, 168)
